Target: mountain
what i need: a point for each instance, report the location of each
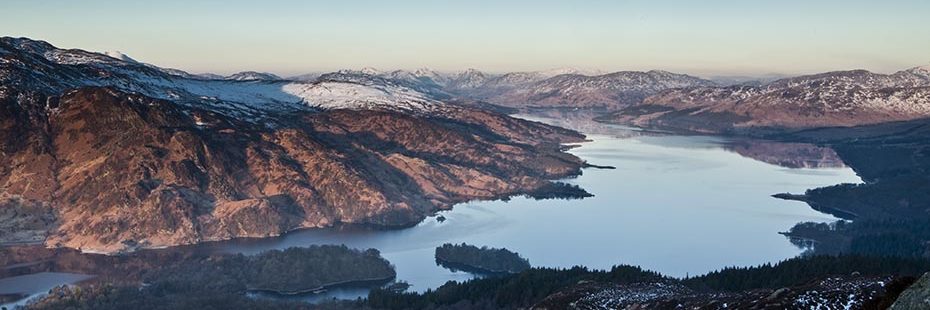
(123, 155)
(497, 84)
(468, 80)
(125, 58)
(755, 80)
(433, 76)
(609, 91)
(473, 82)
(306, 77)
(252, 76)
(207, 76)
(423, 76)
(842, 98)
(399, 78)
(556, 88)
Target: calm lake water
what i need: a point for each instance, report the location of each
(679, 205)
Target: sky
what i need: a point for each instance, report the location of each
(708, 38)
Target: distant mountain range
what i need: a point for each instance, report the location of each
(682, 102)
(253, 76)
(842, 98)
(671, 101)
(557, 88)
(652, 99)
(659, 99)
(609, 91)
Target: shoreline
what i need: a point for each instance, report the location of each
(553, 189)
(475, 270)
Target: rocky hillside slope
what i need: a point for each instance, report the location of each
(127, 155)
(829, 293)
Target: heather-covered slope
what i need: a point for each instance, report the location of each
(126, 155)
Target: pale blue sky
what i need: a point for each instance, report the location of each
(291, 37)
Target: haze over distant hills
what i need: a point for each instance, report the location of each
(678, 101)
(557, 88)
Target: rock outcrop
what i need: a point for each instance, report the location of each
(916, 296)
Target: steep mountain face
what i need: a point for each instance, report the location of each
(125, 155)
(845, 98)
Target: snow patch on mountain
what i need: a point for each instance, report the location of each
(370, 71)
(119, 55)
(570, 70)
(253, 76)
(469, 79)
(333, 95)
(251, 96)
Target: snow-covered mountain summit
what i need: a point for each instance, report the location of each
(251, 95)
(839, 98)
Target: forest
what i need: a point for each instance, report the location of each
(886, 237)
(221, 281)
(531, 286)
(482, 260)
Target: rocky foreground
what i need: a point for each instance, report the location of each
(830, 293)
(105, 155)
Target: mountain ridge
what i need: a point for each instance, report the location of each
(838, 98)
(124, 155)
(557, 88)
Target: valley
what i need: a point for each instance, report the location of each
(110, 145)
(182, 173)
(680, 197)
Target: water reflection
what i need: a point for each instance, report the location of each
(784, 154)
(789, 155)
(676, 204)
